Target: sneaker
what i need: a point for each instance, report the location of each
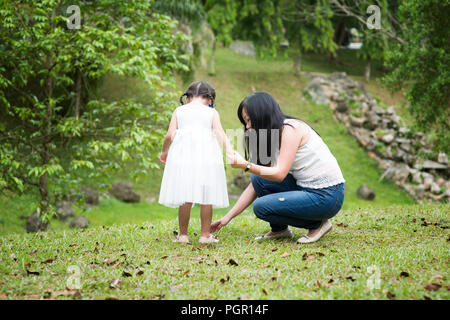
(286, 233)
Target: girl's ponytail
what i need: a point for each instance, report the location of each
(200, 89)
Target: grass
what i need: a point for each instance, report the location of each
(139, 261)
(127, 252)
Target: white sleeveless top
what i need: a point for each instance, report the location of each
(314, 166)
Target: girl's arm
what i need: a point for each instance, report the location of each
(289, 144)
(246, 198)
(220, 134)
(168, 138)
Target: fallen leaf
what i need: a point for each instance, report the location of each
(164, 257)
(48, 261)
(274, 249)
(140, 273)
(285, 254)
(390, 295)
(404, 274)
(327, 285)
(73, 245)
(320, 254)
(318, 283)
(185, 272)
(126, 274)
(3, 296)
(264, 291)
(175, 233)
(311, 256)
(273, 278)
(34, 273)
(232, 262)
(426, 298)
(115, 282)
(350, 278)
(432, 286)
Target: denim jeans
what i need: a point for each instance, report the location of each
(285, 203)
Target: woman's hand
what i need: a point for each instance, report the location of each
(235, 159)
(163, 157)
(217, 225)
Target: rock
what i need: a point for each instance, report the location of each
(35, 224)
(245, 48)
(442, 158)
(388, 138)
(341, 107)
(357, 122)
(91, 196)
(79, 222)
(338, 76)
(64, 210)
(316, 91)
(428, 180)
(428, 164)
(435, 188)
(365, 192)
(419, 192)
(398, 173)
(124, 192)
(373, 119)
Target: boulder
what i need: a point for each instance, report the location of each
(79, 222)
(388, 138)
(244, 48)
(124, 192)
(64, 210)
(91, 196)
(357, 122)
(316, 91)
(398, 172)
(428, 164)
(35, 224)
(365, 192)
(442, 158)
(341, 106)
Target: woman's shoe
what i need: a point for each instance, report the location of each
(286, 233)
(323, 229)
(210, 239)
(181, 239)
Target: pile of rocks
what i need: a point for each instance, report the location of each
(406, 156)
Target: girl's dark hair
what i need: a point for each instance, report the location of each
(200, 89)
(265, 114)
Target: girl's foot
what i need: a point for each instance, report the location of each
(316, 234)
(210, 239)
(286, 233)
(182, 238)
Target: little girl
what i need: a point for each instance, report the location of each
(194, 170)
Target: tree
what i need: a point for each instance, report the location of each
(53, 127)
(421, 64)
(309, 28)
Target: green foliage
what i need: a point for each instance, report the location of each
(421, 64)
(222, 16)
(52, 124)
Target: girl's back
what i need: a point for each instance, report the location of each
(194, 115)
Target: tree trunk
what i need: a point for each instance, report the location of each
(78, 94)
(367, 71)
(211, 65)
(298, 64)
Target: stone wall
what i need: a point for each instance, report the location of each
(405, 156)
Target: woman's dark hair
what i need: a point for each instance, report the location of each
(265, 115)
(200, 89)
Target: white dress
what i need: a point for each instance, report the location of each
(194, 170)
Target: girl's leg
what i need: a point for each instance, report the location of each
(206, 218)
(184, 213)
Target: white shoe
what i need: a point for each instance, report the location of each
(210, 239)
(286, 233)
(324, 228)
(182, 239)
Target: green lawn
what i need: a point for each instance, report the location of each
(371, 254)
(404, 243)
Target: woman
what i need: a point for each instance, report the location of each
(303, 189)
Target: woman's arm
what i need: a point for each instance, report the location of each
(168, 138)
(246, 198)
(220, 134)
(289, 144)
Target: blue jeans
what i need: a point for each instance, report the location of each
(285, 203)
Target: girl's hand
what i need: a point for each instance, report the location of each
(163, 157)
(235, 159)
(217, 225)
